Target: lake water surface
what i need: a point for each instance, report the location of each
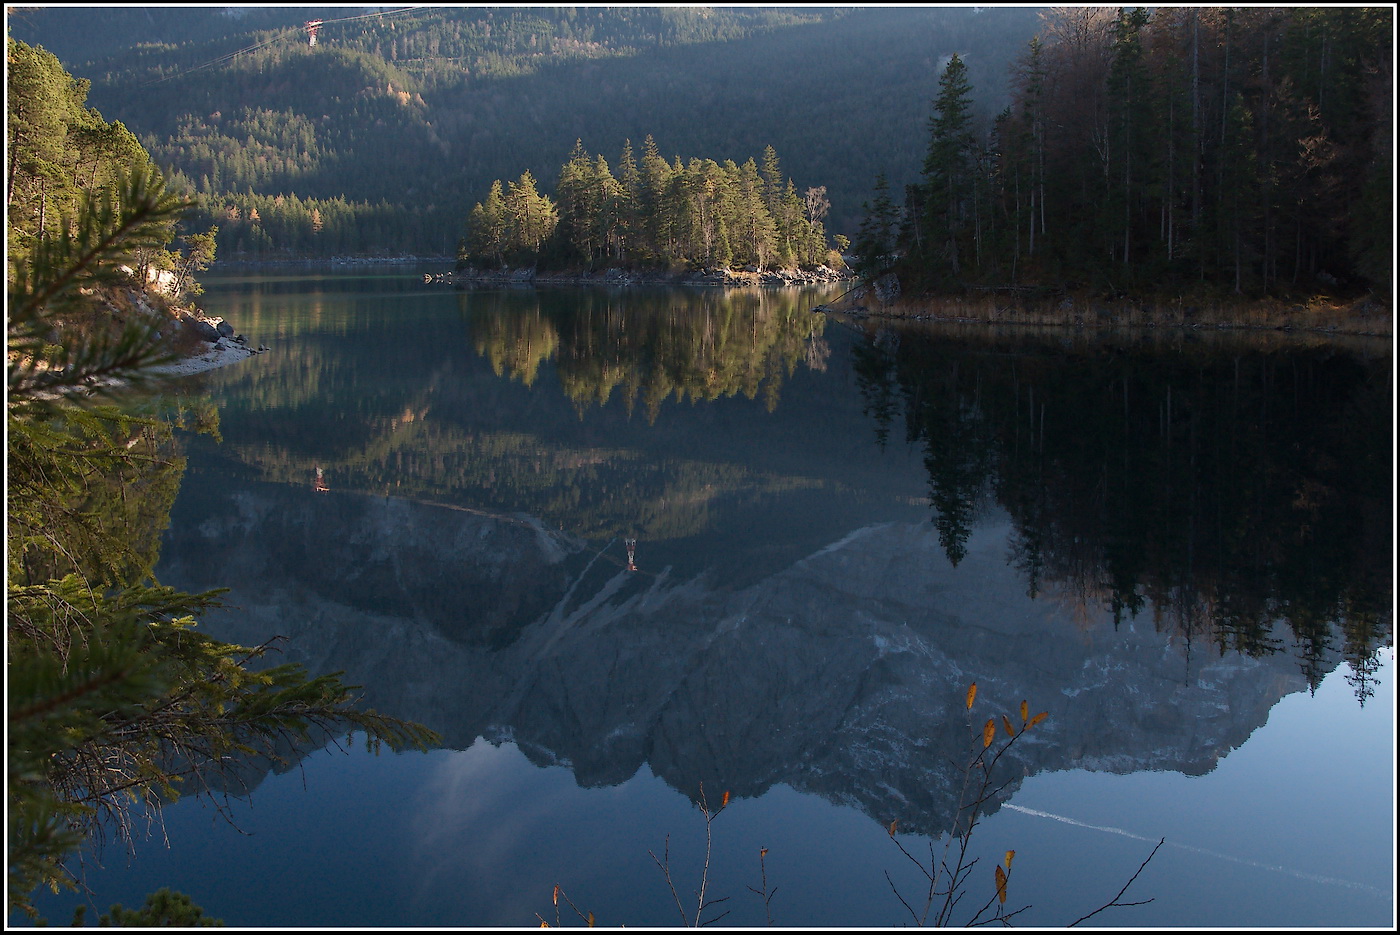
(631, 550)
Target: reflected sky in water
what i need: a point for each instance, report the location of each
(480, 837)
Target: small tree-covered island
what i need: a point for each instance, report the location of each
(655, 216)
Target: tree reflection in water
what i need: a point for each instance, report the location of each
(1226, 486)
(717, 343)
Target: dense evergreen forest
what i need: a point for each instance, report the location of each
(381, 137)
(1246, 150)
(57, 150)
(653, 214)
(1240, 150)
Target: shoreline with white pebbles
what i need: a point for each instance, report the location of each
(212, 357)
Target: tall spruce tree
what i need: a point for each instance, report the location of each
(948, 174)
(656, 181)
(576, 196)
(874, 245)
(630, 201)
(1128, 158)
(530, 218)
(485, 243)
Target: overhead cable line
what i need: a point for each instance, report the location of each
(228, 57)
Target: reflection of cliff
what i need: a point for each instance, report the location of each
(1224, 485)
(840, 674)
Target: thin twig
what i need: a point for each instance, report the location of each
(897, 895)
(1114, 902)
(765, 894)
(665, 866)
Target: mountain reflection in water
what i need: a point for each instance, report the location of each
(1155, 541)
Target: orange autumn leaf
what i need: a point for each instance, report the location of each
(1005, 723)
(724, 802)
(1009, 855)
(1025, 711)
(556, 894)
(1001, 884)
(989, 733)
(1038, 718)
(893, 825)
(971, 694)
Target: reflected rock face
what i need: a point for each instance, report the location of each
(843, 674)
(381, 557)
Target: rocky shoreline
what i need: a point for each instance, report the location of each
(217, 343)
(218, 354)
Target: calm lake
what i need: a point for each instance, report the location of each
(629, 550)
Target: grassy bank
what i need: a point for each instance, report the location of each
(1328, 314)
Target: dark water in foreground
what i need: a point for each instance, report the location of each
(1179, 547)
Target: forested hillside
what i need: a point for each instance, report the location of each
(381, 136)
